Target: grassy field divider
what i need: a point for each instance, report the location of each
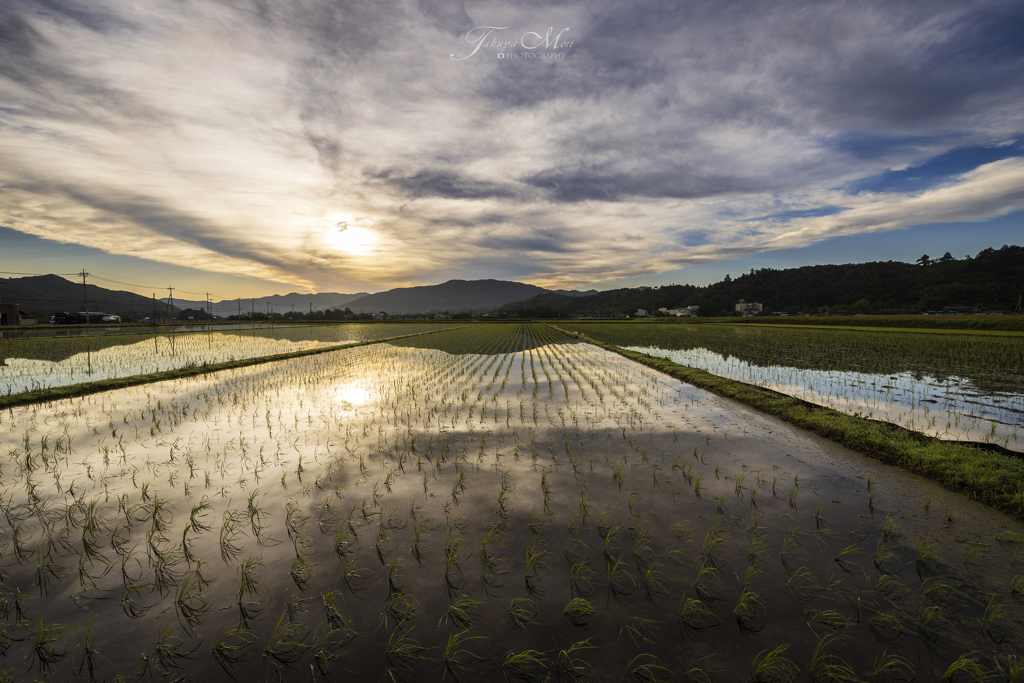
(977, 470)
(85, 388)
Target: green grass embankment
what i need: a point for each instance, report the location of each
(85, 388)
(980, 324)
(981, 472)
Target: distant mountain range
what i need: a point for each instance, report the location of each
(452, 296)
(278, 303)
(991, 280)
(44, 295)
(477, 296)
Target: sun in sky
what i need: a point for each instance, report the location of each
(347, 236)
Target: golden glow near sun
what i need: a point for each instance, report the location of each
(347, 236)
(351, 395)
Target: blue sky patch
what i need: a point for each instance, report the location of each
(952, 163)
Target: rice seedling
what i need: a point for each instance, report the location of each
(522, 612)
(929, 620)
(525, 664)
(189, 600)
(889, 667)
(966, 668)
(749, 606)
(403, 651)
(641, 631)
(48, 642)
(456, 658)
(458, 611)
(570, 662)
(648, 668)
(286, 643)
(170, 648)
(844, 557)
(1012, 669)
(891, 587)
(886, 627)
(829, 620)
(993, 613)
(772, 665)
(826, 667)
(401, 607)
(578, 611)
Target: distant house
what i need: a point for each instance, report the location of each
(442, 316)
(959, 310)
(690, 311)
(749, 310)
(600, 314)
(641, 313)
(10, 314)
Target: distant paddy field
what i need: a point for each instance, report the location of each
(959, 386)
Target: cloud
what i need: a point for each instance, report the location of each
(235, 137)
(446, 184)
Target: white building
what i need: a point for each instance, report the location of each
(750, 309)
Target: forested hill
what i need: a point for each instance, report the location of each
(993, 279)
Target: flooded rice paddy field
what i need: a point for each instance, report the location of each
(479, 504)
(957, 387)
(41, 363)
(41, 331)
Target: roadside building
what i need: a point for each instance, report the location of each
(10, 314)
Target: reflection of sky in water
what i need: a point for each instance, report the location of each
(158, 353)
(952, 408)
(152, 355)
(316, 445)
(351, 396)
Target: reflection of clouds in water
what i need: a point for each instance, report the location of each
(952, 408)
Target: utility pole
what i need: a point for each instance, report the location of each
(209, 306)
(170, 301)
(154, 308)
(310, 309)
(239, 308)
(85, 294)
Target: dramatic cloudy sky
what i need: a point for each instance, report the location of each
(345, 145)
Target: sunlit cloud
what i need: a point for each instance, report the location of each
(339, 146)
